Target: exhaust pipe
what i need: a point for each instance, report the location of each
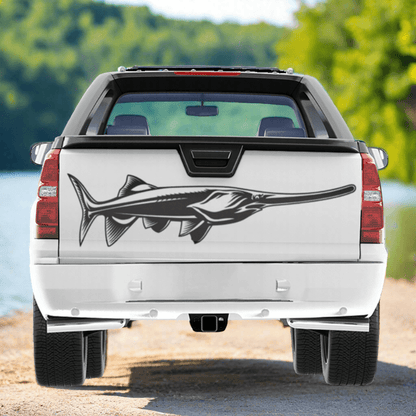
(208, 322)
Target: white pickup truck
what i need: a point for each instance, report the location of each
(207, 194)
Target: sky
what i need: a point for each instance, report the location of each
(276, 12)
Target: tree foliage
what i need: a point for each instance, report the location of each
(51, 51)
(364, 52)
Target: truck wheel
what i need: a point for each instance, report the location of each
(306, 351)
(60, 358)
(350, 358)
(97, 354)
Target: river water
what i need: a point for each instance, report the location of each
(18, 192)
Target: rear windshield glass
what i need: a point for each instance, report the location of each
(205, 114)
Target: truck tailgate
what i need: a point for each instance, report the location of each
(141, 206)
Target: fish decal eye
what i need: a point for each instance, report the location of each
(257, 197)
(197, 208)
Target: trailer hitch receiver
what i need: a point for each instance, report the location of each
(208, 322)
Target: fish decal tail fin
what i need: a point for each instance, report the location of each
(86, 201)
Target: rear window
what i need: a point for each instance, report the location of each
(205, 114)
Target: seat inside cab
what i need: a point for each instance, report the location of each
(129, 125)
(279, 127)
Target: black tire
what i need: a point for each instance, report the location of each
(97, 354)
(350, 358)
(60, 358)
(306, 351)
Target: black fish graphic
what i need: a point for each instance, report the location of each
(197, 208)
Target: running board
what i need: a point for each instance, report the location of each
(332, 324)
(54, 325)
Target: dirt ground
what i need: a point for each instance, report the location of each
(162, 367)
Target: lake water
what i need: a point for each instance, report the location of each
(18, 191)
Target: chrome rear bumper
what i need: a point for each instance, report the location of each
(55, 325)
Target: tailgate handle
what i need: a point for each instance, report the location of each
(211, 158)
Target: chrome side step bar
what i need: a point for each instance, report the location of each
(332, 324)
(54, 325)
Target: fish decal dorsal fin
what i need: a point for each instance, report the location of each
(133, 185)
(116, 227)
(157, 225)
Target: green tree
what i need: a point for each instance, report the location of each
(365, 55)
(51, 51)
(36, 61)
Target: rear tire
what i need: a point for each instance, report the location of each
(350, 358)
(97, 354)
(306, 351)
(60, 358)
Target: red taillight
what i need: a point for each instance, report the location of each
(47, 207)
(372, 217)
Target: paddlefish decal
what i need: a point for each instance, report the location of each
(197, 208)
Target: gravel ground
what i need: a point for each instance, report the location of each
(163, 367)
